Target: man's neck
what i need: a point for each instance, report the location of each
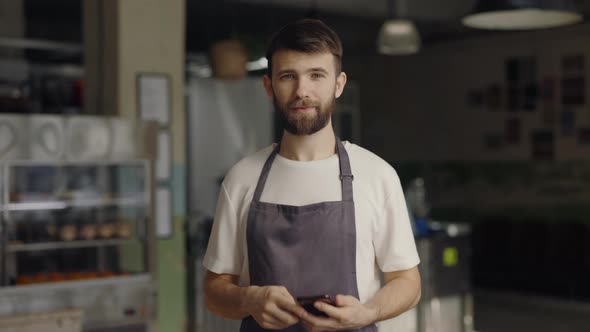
(317, 146)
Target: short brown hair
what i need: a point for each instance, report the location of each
(308, 36)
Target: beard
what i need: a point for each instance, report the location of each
(304, 123)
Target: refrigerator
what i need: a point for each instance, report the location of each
(226, 120)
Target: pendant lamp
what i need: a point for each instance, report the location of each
(398, 36)
(522, 14)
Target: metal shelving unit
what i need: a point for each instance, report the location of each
(117, 192)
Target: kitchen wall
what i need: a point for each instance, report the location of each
(486, 142)
(422, 107)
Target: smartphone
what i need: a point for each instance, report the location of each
(308, 301)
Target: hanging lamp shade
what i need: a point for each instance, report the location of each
(398, 37)
(522, 14)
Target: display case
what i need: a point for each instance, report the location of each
(77, 234)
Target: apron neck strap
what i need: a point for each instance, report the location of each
(264, 174)
(346, 176)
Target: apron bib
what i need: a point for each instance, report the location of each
(310, 249)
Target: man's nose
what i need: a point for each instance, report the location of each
(303, 88)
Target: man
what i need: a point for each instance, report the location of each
(312, 215)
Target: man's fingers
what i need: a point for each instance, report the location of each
(346, 300)
(281, 310)
(286, 302)
(289, 304)
(285, 316)
(270, 322)
(330, 310)
(319, 323)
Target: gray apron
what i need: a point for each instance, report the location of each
(310, 249)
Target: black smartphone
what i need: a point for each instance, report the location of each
(308, 301)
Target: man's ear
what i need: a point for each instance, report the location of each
(267, 85)
(340, 83)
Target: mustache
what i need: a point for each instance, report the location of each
(303, 103)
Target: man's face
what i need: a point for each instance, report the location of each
(304, 88)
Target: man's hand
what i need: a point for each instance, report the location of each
(348, 314)
(272, 306)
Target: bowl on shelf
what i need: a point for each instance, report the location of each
(51, 230)
(67, 233)
(106, 231)
(88, 232)
(124, 230)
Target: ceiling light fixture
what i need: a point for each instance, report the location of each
(522, 14)
(398, 36)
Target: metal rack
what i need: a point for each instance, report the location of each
(112, 302)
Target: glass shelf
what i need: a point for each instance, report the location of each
(78, 203)
(19, 247)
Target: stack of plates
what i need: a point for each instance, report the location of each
(13, 138)
(75, 138)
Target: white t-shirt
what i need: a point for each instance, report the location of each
(385, 242)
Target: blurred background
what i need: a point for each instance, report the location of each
(119, 119)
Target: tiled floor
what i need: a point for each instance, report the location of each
(510, 312)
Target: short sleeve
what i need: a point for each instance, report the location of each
(223, 254)
(393, 240)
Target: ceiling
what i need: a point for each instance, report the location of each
(357, 21)
(377, 9)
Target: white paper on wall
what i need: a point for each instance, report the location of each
(164, 155)
(163, 207)
(154, 98)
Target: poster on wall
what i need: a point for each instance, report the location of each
(543, 144)
(573, 82)
(513, 98)
(584, 136)
(548, 115)
(521, 69)
(154, 100)
(568, 123)
(548, 88)
(573, 91)
(531, 96)
(522, 91)
(513, 130)
(572, 65)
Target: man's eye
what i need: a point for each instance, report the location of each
(317, 75)
(287, 77)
